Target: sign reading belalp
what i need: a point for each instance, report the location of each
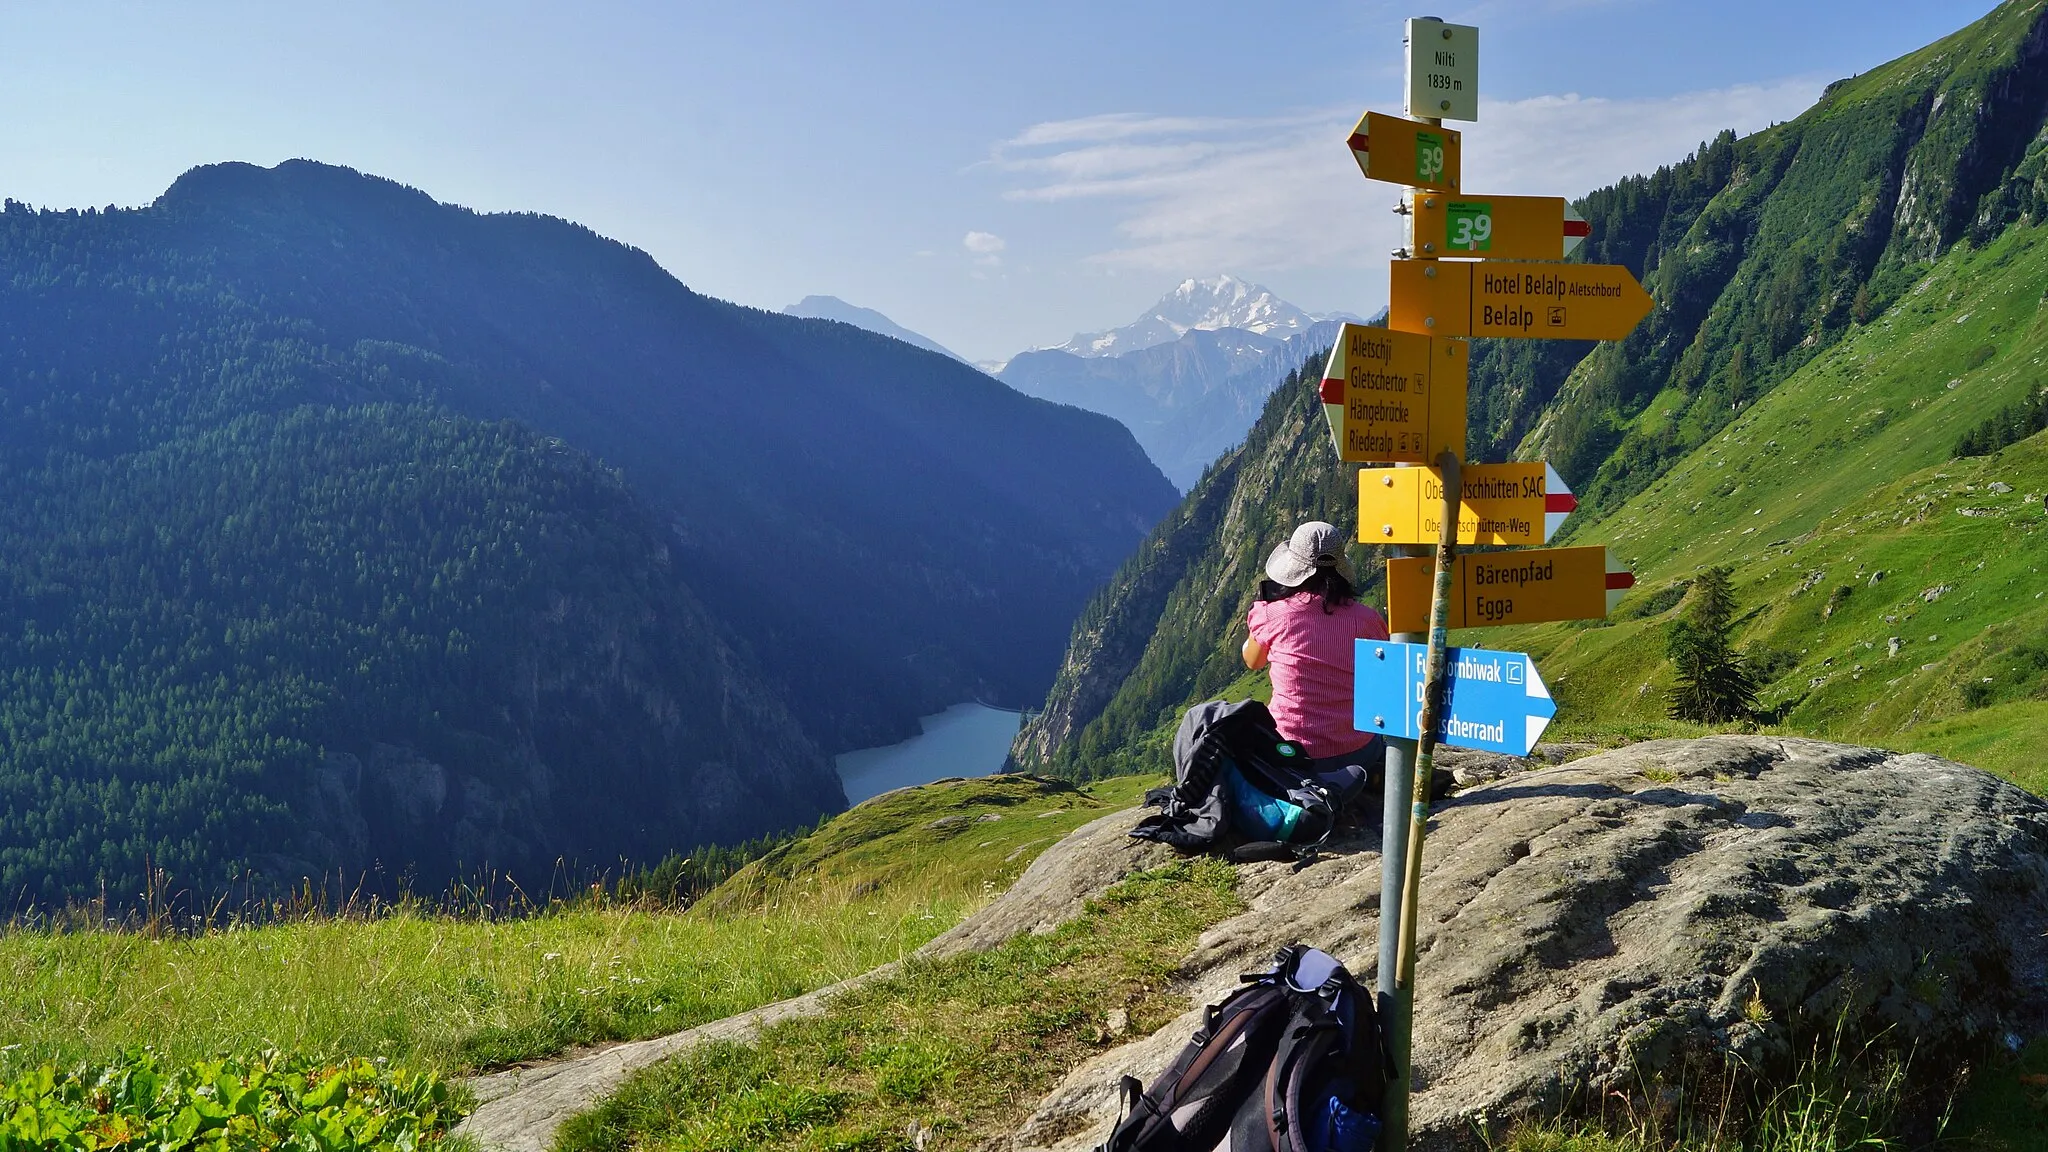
(1503, 298)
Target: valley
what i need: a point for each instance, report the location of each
(469, 682)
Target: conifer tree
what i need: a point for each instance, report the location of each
(1715, 683)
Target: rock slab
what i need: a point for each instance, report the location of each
(1588, 925)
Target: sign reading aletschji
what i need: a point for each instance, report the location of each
(1394, 396)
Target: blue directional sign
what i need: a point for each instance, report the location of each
(1495, 701)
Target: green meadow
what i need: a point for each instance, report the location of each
(1892, 594)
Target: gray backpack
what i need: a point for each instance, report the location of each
(1238, 782)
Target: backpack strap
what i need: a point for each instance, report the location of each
(1312, 1033)
(1187, 1107)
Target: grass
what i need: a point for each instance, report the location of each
(1832, 1109)
(455, 994)
(1848, 526)
(960, 1049)
(1841, 1098)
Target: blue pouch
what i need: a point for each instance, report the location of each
(1255, 814)
(1336, 1127)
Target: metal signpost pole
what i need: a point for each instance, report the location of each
(1395, 1006)
(1401, 851)
(1396, 999)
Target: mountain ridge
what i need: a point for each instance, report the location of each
(682, 548)
(1186, 401)
(833, 308)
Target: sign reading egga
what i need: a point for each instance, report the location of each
(1536, 586)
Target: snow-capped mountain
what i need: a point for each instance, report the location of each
(833, 308)
(1186, 400)
(1189, 377)
(1224, 302)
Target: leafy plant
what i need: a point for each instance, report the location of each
(272, 1101)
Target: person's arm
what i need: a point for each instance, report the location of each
(1254, 654)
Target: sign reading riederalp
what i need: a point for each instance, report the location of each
(1394, 396)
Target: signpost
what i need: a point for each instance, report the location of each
(1407, 152)
(1390, 398)
(1494, 701)
(1394, 396)
(1498, 504)
(1546, 301)
(1497, 227)
(1532, 587)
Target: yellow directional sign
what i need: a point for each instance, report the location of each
(1496, 227)
(1406, 152)
(1392, 396)
(1497, 504)
(1546, 301)
(1529, 587)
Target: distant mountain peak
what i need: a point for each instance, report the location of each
(1212, 304)
(833, 308)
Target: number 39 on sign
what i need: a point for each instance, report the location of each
(1470, 226)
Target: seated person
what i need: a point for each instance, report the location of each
(1302, 630)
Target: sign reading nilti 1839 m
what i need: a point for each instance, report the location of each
(1395, 397)
(1547, 301)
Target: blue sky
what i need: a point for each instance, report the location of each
(995, 175)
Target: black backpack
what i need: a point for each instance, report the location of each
(1293, 1062)
(1230, 756)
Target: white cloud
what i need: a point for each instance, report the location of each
(987, 248)
(1189, 195)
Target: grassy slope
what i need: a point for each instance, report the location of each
(453, 993)
(962, 1048)
(1842, 472)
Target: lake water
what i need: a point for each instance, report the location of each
(964, 740)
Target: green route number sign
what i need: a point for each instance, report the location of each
(1429, 157)
(1470, 226)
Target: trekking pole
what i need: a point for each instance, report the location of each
(1395, 1134)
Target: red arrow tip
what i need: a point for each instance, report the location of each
(1620, 580)
(1333, 391)
(1577, 228)
(1560, 502)
(1358, 142)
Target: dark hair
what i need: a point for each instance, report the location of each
(1325, 581)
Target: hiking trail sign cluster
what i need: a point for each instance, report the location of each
(1475, 265)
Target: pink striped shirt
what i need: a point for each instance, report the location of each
(1310, 654)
